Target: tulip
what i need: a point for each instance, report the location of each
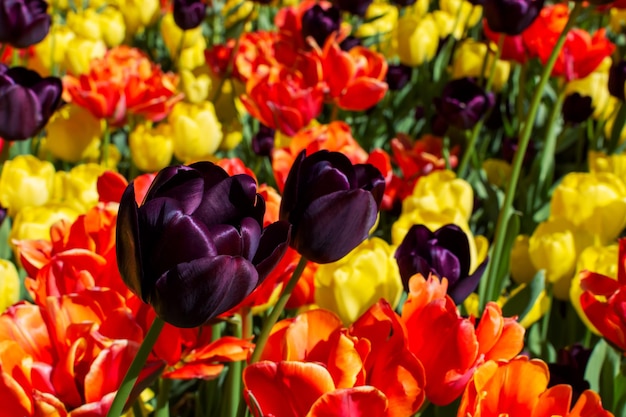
(189, 14)
(511, 16)
(498, 172)
(520, 266)
(444, 253)
(196, 247)
(331, 204)
(26, 102)
(418, 40)
(570, 369)
(9, 284)
(398, 76)
(353, 284)
(77, 188)
(23, 22)
(80, 53)
(552, 247)
(197, 133)
(72, 132)
(34, 222)
(463, 103)
(379, 23)
(577, 108)
(25, 181)
(263, 141)
(320, 23)
(151, 149)
(49, 54)
(469, 61)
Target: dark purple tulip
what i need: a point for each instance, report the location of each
(463, 103)
(263, 141)
(320, 23)
(570, 369)
(26, 102)
(444, 253)
(511, 17)
(356, 7)
(331, 204)
(398, 76)
(23, 22)
(188, 14)
(403, 3)
(510, 146)
(349, 42)
(617, 80)
(576, 108)
(196, 247)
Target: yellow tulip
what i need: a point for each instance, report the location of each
(25, 181)
(106, 25)
(521, 267)
(71, 132)
(175, 40)
(34, 222)
(196, 84)
(418, 39)
(601, 162)
(192, 57)
(617, 20)
(351, 285)
(49, 54)
(600, 259)
(138, 14)
(595, 203)
(498, 171)
(381, 21)
(197, 131)
(80, 52)
(236, 11)
(441, 190)
(419, 8)
(469, 61)
(595, 85)
(9, 284)
(464, 12)
(78, 187)
(232, 134)
(552, 247)
(151, 149)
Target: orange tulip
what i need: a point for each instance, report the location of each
(603, 300)
(282, 100)
(448, 345)
(495, 391)
(355, 79)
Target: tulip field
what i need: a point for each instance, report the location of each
(316, 208)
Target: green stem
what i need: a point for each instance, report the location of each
(117, 407)
(162, 405)
(233, 380)
(549, 147)
(471, 144)
(493, 281)
(276, 312)
(545, 320)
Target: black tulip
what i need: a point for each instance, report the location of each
(398, 76)
(444, 253)
(189, 14)
(331, 204)
(576, 108)
(26, 102)
(263, 141)
(511, 17)
(617, 80)
(24, 22)
(196, 247)
(356, 7)
(320, 23)
(463, 103)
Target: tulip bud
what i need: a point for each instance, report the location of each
(77, 188)
(398, 76)
(353, 284)
(263, 141)
(469, 61)
(617, 80)
(189, 14)
(418, 39)
(151, 149)
(72, 132)
(34, 223)
(331, 204)
(80, 52)
(521, 267)
(23, 22)
(463, 103)
(511, 16)
(552, 247)
(9, 284)
(25, 181)
(576, 108)
(26, 101)
(196, 247)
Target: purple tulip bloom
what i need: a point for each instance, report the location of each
(511, 17)
(331, 204)
(196, 247)
(349, 42)
(26, 102)
(189, 14)
(576, 108)
(444, 253)
(570, 369)
(398, 76)
(23, 22)
(356, 7)
(320, 23)
(463, 103)
(263, 141)
(617, 80)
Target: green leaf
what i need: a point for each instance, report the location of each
(523, 301)
(592, 372)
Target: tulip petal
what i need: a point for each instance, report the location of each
(347, 218)
(129, 254)
(231, 199)
(272, 247)
(554, 401)
(464, 287)
(192, 293)
(354, 402)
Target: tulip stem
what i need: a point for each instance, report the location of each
(233, 379)
(121, 397)
(276, 312)
(162, 405)
(471, 144)
(497, 256)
